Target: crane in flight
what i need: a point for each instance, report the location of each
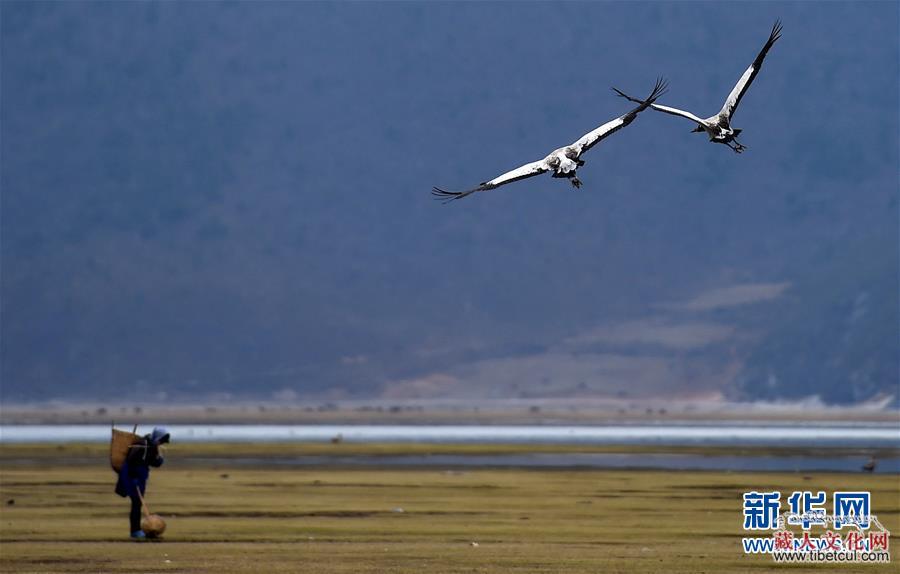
(564, 161)
(718, 127)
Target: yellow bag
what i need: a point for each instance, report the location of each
(119, 446)
(153, 525)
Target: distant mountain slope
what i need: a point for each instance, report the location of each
(835, 334)
(232, 198)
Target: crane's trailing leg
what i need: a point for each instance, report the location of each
(571, 176)
(737, 148)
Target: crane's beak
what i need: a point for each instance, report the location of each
(697, 129)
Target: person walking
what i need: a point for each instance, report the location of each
(135, 471)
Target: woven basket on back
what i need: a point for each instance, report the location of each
(119, 445)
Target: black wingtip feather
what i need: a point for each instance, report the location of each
(661, 87)
(776, 32)
(445, 196)
(774, 35)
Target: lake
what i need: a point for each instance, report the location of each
(859, 435)
(862, 436)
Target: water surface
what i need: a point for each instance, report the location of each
(861, 435)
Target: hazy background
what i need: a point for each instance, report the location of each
(209, 198)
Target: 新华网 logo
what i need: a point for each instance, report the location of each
(810, 530)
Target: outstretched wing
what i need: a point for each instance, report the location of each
(734, 98)
(677, 112)
(665, 109)
(523, 172)
(590, 139)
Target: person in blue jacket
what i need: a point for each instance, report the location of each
(136, 470)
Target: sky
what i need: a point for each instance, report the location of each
(232, 200)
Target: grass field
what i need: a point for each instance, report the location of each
(225, 517)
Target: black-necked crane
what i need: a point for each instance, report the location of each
(718, 127)
(564, 161)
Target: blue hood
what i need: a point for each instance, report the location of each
(159, 435)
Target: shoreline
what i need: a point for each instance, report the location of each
(588, 411)
(474, 456)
